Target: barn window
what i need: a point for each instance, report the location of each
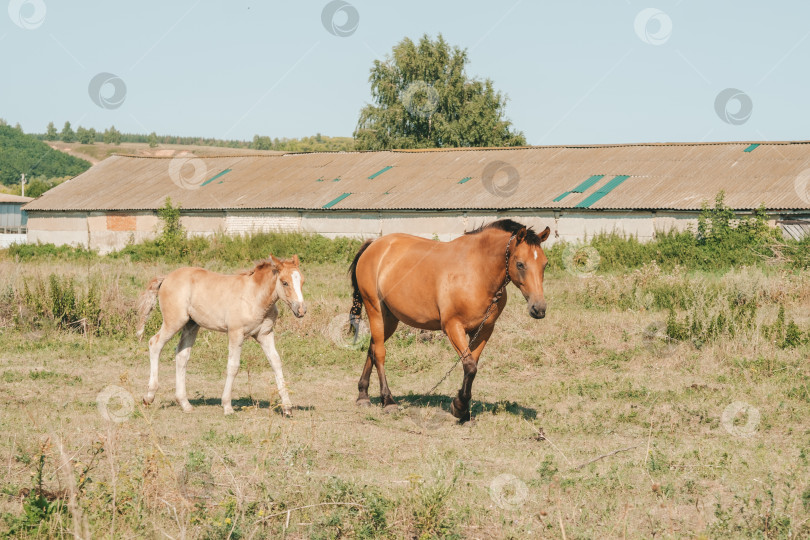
(602, 191)
(561, 197)
(587, 183)
(378, 173)
(336, 200)
(226, 171)
(582, 187)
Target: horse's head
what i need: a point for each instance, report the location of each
(527, 263)
(288, 284)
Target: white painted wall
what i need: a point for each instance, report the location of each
(254, 222)
(8, 239)
(569, 225)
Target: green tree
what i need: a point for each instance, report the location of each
(424, 99)
(86, 136)
(67, 134)
(112, 136)
(172, 239)
(261, 143)
(153, 140)
(39, 185)
(21, 153)
(51, 134)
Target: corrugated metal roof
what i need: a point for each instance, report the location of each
(6, 198)
(676, 176)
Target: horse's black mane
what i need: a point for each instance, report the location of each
(510, 226)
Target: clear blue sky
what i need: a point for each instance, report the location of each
(575, 72)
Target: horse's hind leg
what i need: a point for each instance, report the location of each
(235, 339)
(156, 344)
(362, 386)
(382, 325)
(187, 339)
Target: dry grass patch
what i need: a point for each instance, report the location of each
(580, 423)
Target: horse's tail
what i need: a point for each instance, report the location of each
(357, 299)
(146, 303)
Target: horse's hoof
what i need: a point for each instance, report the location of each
(185, 405)
(229, 411)
(287, 413)
(458, 412)
(363, 402)
(391, 408)
(147, 401)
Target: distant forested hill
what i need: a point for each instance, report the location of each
(21, 153)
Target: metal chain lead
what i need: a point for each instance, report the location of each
(467, 351)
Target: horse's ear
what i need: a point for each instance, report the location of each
(521, 235)
(275, 263)
(295, 260)
(543, 235)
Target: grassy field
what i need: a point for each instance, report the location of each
(99, 151)
(591, 423)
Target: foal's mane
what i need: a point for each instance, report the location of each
(261, 265)
(512, 227)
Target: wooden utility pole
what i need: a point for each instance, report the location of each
(22, 184)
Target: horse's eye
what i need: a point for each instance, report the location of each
(285, 283)
(520, 266)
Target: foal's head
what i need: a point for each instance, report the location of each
(527, 263)
(289, 281)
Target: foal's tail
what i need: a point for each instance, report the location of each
(357, 299)
(146, 303)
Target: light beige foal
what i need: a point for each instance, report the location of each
(243, 305)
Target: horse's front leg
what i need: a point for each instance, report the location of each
(268, 343)
(235, 339)
(460, 407)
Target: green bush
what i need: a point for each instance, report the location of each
(63, 302)
(27, 252)
(722, 241)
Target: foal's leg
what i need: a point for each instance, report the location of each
(168, 329)
(460, 407)
(187, 339)
(268, 343)
(235, 339)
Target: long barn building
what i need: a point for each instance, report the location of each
(578, 191)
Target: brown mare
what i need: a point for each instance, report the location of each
(243, 305)
(446, 286)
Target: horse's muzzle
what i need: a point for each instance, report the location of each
(299, 309)
(537, 310)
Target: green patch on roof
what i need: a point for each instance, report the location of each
(751, 148)
(378, 173)
(226, 171)
(336, 179)
(561, 197)
(587, 183)
(602, 191)
(336, 200)
(319, 179)
(465, 180)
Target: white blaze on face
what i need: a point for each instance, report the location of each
(296, 279)
(535, 254)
